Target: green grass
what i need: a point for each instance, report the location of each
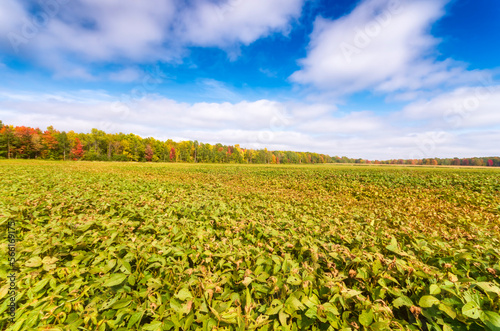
(110, 246)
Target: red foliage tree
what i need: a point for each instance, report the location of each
(490, 163)
(77, 150)
(172, 153)
(28, 142)
(50, 143)
(148, 154)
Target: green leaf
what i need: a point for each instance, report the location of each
(153, 326)
(293, 304)
(184, 294)
(446, 327)
(491, 319)
(188, 322)
(115, 279)
(471, 310)
(377, 265)
(134, 319)
(121, 303)
(283, 317)
(131, 280)
(366, 318)
(127, 266)
(393, 246)
(331, 309)
(489, 287)
(275, 307)
(4, 290)
(448, 310)
(428, 301)
(19, 323)
(294, 280)
(382, 326)
(312, 313)
(154, 283)
(434, 289)
(402, 301)
(40, 285)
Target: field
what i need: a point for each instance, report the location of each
(136, 246)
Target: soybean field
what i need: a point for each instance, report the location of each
(147, 246)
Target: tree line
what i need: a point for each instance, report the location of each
(21, 142)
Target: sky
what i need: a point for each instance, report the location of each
(373, 79)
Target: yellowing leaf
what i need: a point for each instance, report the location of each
(34, 262)
(428, 301)
(471, 309)
(184, 294)
(402, 301)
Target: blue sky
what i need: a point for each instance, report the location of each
(376, 79)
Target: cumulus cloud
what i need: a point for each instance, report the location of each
(269, 124)
(354, 124)
(64, 35)
(382, 45)
(462, 108)
(221, 24)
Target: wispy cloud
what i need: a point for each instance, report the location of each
(126, 75)
(268, 72)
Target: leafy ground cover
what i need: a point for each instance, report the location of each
(111, 246)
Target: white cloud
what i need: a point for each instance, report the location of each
(355, 124)
(463, 108)
(12, 15)
(108, 30)
(265, 123)
(382, 45)
(69, 34)
(222, 24)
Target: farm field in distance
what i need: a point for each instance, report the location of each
(143, 246)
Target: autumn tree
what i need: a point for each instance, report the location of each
(50, 144)
(148, 154)
(172, 154)
(27, 142)
(77, 150)
(478, 162)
